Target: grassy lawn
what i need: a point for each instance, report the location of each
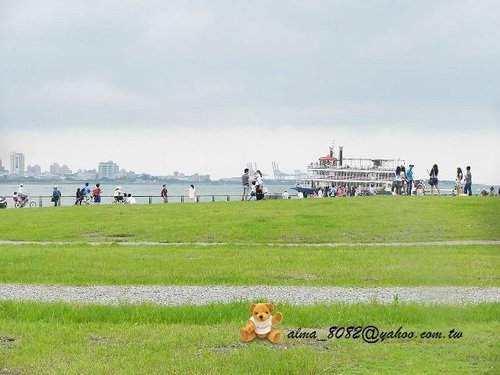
(42, 338)
(466, 265)
(54, 338)
(361, 219)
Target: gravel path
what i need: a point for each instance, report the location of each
(296, 244)
(200, 295)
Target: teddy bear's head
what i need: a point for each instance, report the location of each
(261, 311)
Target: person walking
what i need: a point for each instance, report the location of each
(96, 192)
(409, 179)
(433, 179)
(192, 194)
(458, 181)
(468, 181)
(245, 181)
(164, 193)
(79, 197)
(86, 193)
(56, 196)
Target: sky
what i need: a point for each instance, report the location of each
(207, 87)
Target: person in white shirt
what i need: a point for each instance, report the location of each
(192, 193)
(130, 199)
(22, 193)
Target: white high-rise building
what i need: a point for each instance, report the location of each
(17, 164)
(107, 169)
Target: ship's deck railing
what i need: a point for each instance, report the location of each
(317, 166)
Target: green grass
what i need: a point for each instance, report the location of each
(40, 338)
(467, 265)
(57, 338)
(361, 219)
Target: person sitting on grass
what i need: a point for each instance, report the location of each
(118, 194)
(130, 199)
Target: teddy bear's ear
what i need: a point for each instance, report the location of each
(252, 306)
(270, 306)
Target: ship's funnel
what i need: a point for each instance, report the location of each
(341, 151)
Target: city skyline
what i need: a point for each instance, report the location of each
(209, 87)
(105, 170)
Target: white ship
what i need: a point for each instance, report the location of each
(357, 173)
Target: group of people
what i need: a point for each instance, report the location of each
(252, 186)
(466, 180)
(87, 196)
(191, 194)
(403, 180)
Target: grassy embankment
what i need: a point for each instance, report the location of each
(58, 338)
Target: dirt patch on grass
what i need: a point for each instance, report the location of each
(93, 235)
(7, 371)
(120, 235)
(101, 340)
(101, 235)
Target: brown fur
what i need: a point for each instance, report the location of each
(261, 312)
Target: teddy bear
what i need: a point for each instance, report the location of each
(261, 322)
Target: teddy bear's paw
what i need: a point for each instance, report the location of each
(246, 336)
(276, 337)
(279, 317)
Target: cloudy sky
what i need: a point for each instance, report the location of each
(207, 87)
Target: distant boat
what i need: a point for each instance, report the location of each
(358, 173)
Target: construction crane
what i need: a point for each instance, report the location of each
(278, 174)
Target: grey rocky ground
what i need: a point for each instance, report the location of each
(200, 295)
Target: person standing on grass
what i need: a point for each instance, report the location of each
(259, 186)
(192, 194)
(404, 181)
(164, 193)
(245, 181)
(398, 182)
(96, 192)
(458, 181)
(409, 179)
(433, 179)
(79, 197)
(56, 196)
(468, 181)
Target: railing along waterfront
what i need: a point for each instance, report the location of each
(69, 200)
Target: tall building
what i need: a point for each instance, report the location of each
(17, 164)
(57, 170)
(2, 169)
(107, 169)
(34, 170)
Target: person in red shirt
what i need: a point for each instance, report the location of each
(96, 192)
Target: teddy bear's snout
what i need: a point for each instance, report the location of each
(261, 316)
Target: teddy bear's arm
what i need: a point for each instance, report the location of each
(278, 318)
(250, 327)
